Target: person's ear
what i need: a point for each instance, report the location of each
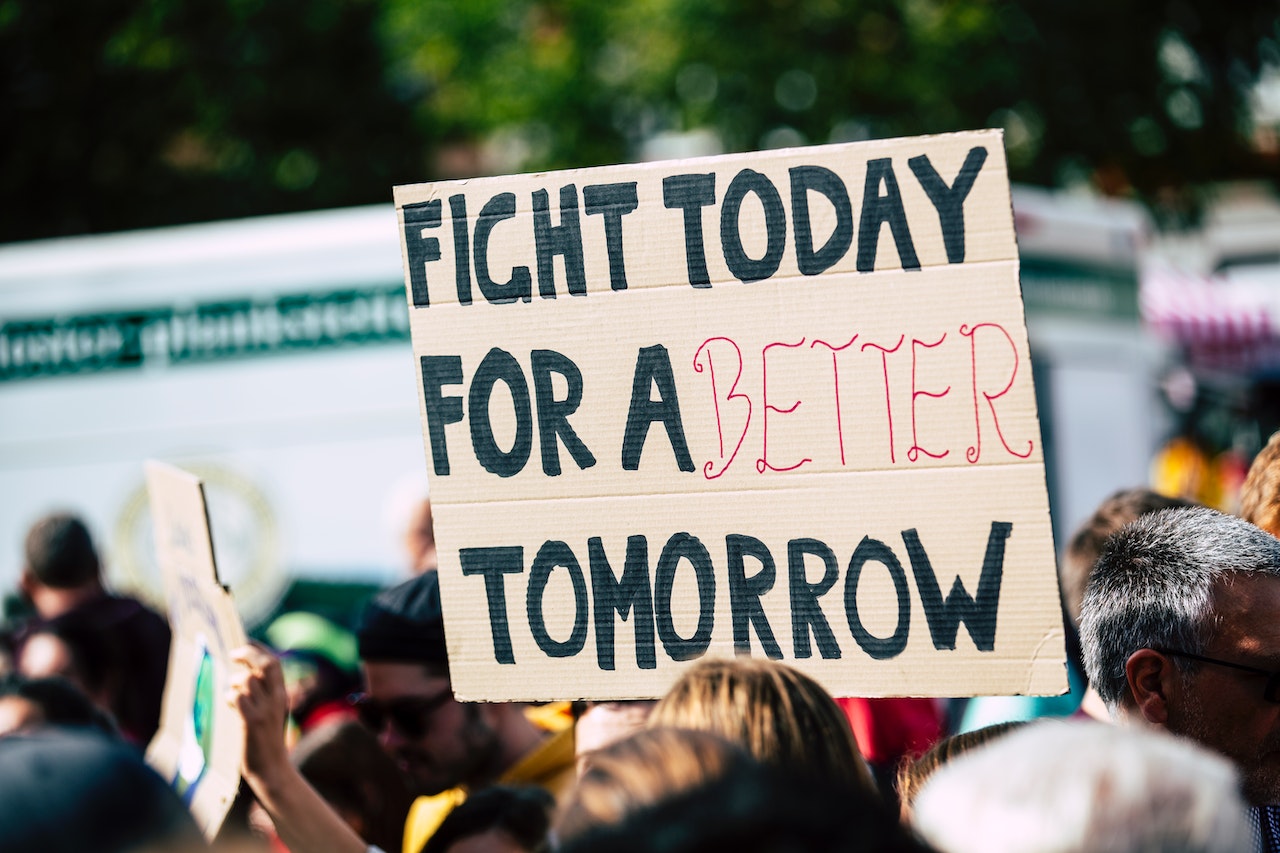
(1150, 675)
(27, 582)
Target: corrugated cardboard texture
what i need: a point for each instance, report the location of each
(793, 385)
(200, 745)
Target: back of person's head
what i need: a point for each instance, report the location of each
(1088, 541)
(70, 792)
(60, 553)
(642, 769)
(1260, 494)
(1153, 588)
(405, 624)
(76, 653)
(520, 817)
(349, 769)
(913, 773)
(37, 702)
(1076, 787)
(758, 809)
(778, 714)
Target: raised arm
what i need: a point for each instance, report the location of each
(304, 821)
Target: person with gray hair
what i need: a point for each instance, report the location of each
(1084, 787)
(1180, 628)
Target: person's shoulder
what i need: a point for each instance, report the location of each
(113, 612)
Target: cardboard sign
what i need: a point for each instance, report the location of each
(776, 404)
(200, 744)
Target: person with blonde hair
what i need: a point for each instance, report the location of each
(642, 770)
(779, 715)
(1260, 494)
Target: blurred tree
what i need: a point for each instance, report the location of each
(1147, 97)
(126, 113)
(129, 113)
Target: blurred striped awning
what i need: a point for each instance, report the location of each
(1222, 321)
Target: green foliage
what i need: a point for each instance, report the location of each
(125, 113)
(129, 113)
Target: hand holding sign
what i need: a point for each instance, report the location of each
(200, 741)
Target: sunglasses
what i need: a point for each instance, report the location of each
(408, 715)
(1270, 691)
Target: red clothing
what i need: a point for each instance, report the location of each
(888, 729)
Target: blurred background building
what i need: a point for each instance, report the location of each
(269, 350)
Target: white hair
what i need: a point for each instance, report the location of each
(1072, 787)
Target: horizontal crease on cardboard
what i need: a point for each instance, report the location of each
(699, 489)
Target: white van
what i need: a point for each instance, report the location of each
(269, 355)
(272, 356)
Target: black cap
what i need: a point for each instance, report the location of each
(404, 623)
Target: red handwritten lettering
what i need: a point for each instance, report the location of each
(708, 470)
(974, 453)
(763, 464)
(914, 452)
(835, 374)
(888, 403)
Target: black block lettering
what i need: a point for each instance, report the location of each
(744, 267)
(691, 193)
(684, 546)
(978, 612)
(880, 648)
(461, 247)
(612, 201)
(744, 594)
(421, 249)
(554, 555)
(437, 371)
(653, 366)
(519, 286)
(806, 614)
(492, 564)
(564, 239)
(878, 209)
(553, 414)
(629, 596)
(826, 182)
(949, 201)
(500, 366)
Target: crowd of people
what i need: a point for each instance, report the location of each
(354, 742)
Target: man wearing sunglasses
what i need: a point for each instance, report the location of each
(443, 747)
(1180, 628)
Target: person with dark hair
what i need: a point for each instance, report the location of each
(758, 809)
(345, 764)
(115, 646)
(70, 792)
(27, 703)
(1180, 627)
(1089, 540)
(501, 819)
(445, 748)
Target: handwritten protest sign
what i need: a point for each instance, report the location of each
(200, 744)
(776, 404)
